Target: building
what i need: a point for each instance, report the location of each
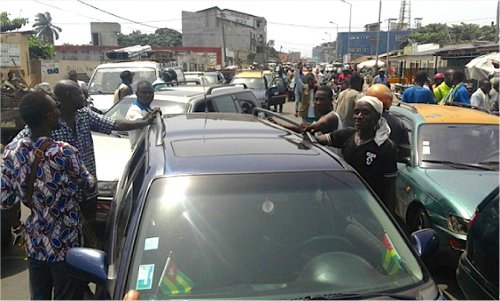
(105, 33)
(326, 52)
(15, 55)
(242, 37)
(364, 43)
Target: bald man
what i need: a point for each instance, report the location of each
(399, 132)
(77, 122)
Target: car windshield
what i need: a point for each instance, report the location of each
(257, 236)
(468, 144)
(106, 80)
(256, 83)
(120, 109)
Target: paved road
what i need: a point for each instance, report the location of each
(14, 273)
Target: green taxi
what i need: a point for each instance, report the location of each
(453, 165)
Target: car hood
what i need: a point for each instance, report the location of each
(102, 102)
(466, 188)
(111, 155)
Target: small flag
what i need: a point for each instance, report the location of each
(173, 281)
(390, 257)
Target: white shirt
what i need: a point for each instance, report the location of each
(480, 99)
(134, 113)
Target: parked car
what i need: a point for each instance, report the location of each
(226, 206)
(210, 78)
(267, 92)
(452, 167)
(106, 78)
(477, 272)
(110, 161)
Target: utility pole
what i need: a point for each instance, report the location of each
(223, 41)
(378, 33)
(388, 38)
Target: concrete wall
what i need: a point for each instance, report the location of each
(106, 33)
(52, 71)
(14, 45)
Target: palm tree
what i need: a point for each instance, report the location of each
(44, 28)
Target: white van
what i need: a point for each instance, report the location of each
(106, 78)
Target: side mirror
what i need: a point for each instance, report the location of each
(425, 242)
(87, 264)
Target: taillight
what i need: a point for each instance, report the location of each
(473, 219)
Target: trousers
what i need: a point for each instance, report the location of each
(45, 278)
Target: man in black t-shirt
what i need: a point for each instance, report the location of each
(368, 149)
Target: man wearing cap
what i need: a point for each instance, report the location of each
(368, 149)
(438, 79)
(380, 78)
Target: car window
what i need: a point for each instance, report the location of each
(224, 103)
(131, 184)
(255, 236)
(106, 80)
(452, 142)
(120, 109)
(256, 83)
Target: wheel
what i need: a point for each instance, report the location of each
(321, 244)
(420, 220)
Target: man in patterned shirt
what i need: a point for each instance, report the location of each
(53, 226)
(77, 122)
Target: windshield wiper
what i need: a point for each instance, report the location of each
(458, 164)
(355, 296)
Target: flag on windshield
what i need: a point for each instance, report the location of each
(174, 281)
(390, 257)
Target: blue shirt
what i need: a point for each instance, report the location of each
(417, 94)
(86, 121)
(462, 95)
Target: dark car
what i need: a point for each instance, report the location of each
(110, 161)
(477, 272)
(225, 206)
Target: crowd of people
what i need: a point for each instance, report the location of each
(50, 164)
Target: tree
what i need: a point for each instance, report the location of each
(39, 49)
(8, 25)
(445, 35)
(45, 30)
(161, 38)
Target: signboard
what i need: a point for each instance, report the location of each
(238, 18)
(50, 68)
(10, 52)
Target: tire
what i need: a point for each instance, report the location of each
(420, 220)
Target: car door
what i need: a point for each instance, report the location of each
(404, 182)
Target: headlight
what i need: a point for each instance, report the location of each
(458, 224)
(106, 188)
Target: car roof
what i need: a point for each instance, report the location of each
(135, 64)
(187, 93)
(252, 73)
(196, 143)
(431, 113)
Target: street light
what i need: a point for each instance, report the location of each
(387, 50)
(329, 35)
(349, 35)
(336, 40)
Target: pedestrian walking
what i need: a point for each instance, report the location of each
(45, 173)
(347, 99)
(299, 87)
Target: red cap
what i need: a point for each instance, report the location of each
(438, 75)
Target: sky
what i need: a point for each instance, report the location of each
(295, 25)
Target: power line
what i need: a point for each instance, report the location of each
(101, 10)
